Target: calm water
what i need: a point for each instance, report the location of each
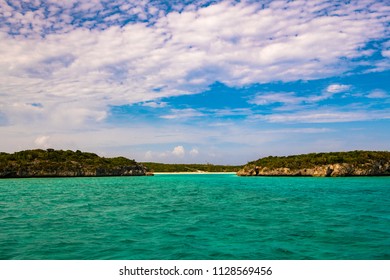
(195, 217)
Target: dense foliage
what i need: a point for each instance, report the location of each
(60, 156)
(162, 167)
(316, 159)
(50, 162)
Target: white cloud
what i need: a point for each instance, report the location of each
(178, 151)
(148, 155)
(291, 101)
(230, 112)
(386, 49)
(183, 114)
(155, 104)
(276, 97)
(337, 88)
(386, 53)
(323, 116)
(42, 142)
(377, 94)
(163, 155)
(194, 152)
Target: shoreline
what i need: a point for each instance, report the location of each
(192, 173)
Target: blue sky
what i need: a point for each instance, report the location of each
(222, 82)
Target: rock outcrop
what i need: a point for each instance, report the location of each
(371, 167)
(31, 170)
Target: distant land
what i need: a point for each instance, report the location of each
(198, 168)
(334, 164)
(60, 163)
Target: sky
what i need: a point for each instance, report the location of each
(221, 82)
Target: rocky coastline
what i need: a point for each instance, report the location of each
(75, 171)
(296, 166)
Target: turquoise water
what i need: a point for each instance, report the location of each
(195, 217)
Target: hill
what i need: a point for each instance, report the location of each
(59, 163)
(353, 163)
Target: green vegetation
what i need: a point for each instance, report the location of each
(60, 156)
(317, 159)
(162, 167)
(50, 162)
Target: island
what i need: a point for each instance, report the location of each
(333, 164)
(60, 163)
(67, 163)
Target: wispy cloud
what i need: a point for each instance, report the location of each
(154, 104)
(276, 97)
(323, 116)
(380, 94)
(182, 114)
(292, 101)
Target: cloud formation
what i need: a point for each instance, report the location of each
(194, 152)
(378, 94)
(113, 63)
(65, 64)
(178, 151)
(183, 114)
(42, 142)
(325, 116)
(336, 88)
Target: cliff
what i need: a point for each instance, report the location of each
(355, 163)
(59, 163)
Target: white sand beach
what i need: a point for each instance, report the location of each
(192, 173)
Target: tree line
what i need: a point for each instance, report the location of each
(315, 159)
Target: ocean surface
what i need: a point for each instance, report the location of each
(195, 217)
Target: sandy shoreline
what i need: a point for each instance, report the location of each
(192, 173)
